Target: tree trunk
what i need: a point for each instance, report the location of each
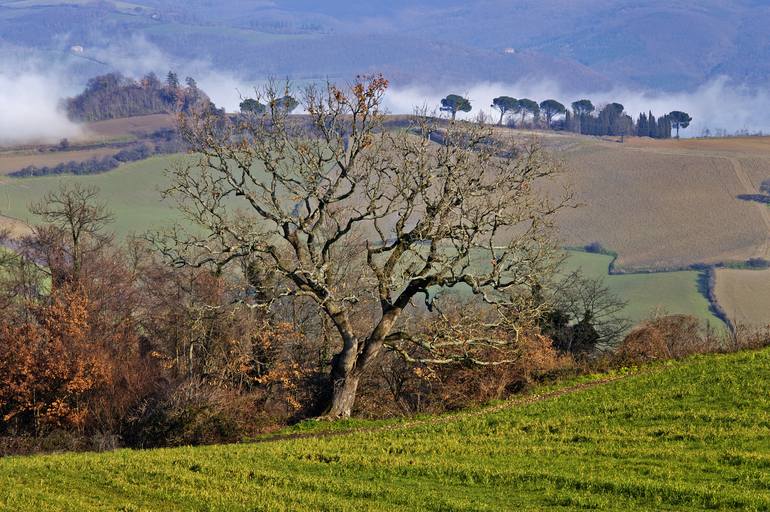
(343, 396)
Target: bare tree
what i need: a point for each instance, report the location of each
(585, 315)
(360, 221)
(75, 217)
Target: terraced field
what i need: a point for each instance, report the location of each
(693, 435)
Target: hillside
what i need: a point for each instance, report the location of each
(667, 204)
(582, 45)
(691, 435)
(659, 204)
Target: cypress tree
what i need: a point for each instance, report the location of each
(652, 125)
(642, 129)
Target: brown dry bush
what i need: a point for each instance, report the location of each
(399, 388)
(666, 337)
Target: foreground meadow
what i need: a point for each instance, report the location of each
(691, 435)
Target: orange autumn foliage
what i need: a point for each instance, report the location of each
(50, 366)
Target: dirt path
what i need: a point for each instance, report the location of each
(441, 420)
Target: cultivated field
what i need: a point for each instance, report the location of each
(662, 292)
(745, 295)
(666, 204)
(127, 127)
(11, 161)
(692, 435)
(101, 132)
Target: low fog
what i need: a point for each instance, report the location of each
(30, 98)
(717, 105)
(29, 108)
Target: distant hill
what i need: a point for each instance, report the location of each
(580, 44)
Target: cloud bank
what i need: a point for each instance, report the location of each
(29, 108)
(30, 95)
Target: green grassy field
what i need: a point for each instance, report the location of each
(693, 435)
(672, 292)
(131, 192)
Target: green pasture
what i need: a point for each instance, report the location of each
(131, 192)
(669, 292)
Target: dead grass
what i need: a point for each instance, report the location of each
(745, 295)
(14, 160)
(15, 227)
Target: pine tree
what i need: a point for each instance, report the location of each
(172, 80)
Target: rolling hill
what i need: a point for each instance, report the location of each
(587, 44)
(661, 205)
(691, 435)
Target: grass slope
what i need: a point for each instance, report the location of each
(689, 436)
(672, 292)
(132, 193)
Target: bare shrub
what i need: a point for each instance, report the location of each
(666, 337)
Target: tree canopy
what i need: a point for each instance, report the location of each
(505, 104)
(455, 103)
(250, 105)
(526, 106)
(679, 119)
(583, 107)
(550, 109)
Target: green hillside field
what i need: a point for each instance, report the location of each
(690, 435)
(131, 192)
(669, 292)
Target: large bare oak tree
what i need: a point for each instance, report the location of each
(366, 216)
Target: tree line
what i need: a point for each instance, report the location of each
(582, 117)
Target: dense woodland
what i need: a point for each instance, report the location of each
(114, 96)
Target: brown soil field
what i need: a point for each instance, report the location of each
(666, 204)
(127, 127)
(14, 160)
(745, 295)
